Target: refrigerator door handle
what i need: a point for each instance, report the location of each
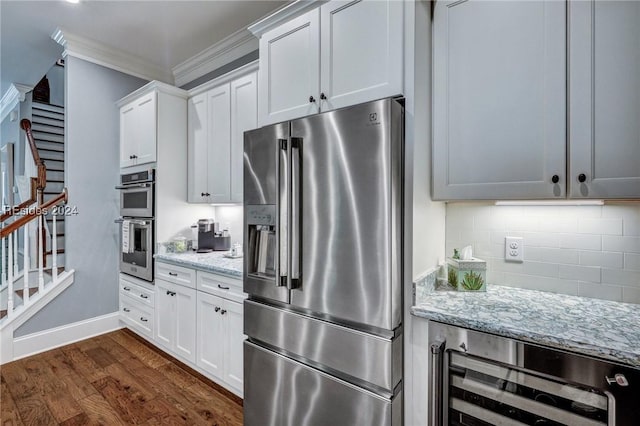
(296, 213)
(283, 209)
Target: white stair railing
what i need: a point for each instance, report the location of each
(26, 264)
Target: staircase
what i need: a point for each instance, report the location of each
(47, 125)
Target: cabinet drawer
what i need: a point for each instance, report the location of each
(138, 293)
(221, 286)
(176, 274)
(137, 316)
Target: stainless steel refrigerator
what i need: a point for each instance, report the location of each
(323, 207)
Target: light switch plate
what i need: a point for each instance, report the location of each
(514, 249)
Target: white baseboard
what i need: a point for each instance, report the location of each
(45, 340)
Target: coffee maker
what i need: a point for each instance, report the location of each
(210, 238)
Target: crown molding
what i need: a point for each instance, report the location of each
(151, 86)
(227, 50)
(100, 54)
(226, 78)
(14, 94)
(287, 13)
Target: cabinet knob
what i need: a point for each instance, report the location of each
(202, 194)
(222, 312)
(126, 309)
(582, 178)
(207, 194)
(173, 274)
(322, 96)
(312, 99)
(126, 288)
(143, 319)
(555, 179)
(217, 308)
(144, 296)
(131, 157)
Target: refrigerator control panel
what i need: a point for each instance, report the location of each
(261, 215)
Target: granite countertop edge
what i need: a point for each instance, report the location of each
(174, 258)
(582, 348)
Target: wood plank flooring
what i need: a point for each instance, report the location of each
(112, 379)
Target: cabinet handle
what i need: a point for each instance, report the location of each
(144, 296)
(323, 97)
(207, 194)
(223, 287)
(143, 319)
(555, 179)
(222, 312)
(202, 194)
(173, 274)
(126, 288)
(217, 308)
(171, 293)
(312, 99)
(126, 309)
(582, 178)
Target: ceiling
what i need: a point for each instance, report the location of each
(164, 33)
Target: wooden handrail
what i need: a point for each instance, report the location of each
(42, 170)
(40, 210)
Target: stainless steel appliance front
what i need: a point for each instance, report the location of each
(137, 194)
(479, 378)
(138, 259)
(323, 256)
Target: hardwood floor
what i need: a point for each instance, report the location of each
(112, 379)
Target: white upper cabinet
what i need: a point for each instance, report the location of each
(499, 100)
(138, 131)
(342, 53)
(361, 51)
(604, 91)
(290, 69)
(219, 115)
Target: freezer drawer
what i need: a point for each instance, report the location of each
(345, 352)
(279, 391)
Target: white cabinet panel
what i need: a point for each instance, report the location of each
(219, 144)
(138, 131)
(185, 317)
(197, 139)
(290, 70)
(604, 90)
(234, 336)
(165, 315)
(361, 51)
(499, 100)
(128, 130)
(210, 332)
(244, 116)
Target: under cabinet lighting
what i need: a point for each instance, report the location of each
(552, 203)
(73, 1)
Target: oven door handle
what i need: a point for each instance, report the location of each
(435, 383)
(136, 185)
(134, 221)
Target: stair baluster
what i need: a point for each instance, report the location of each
(40, 256)
(10, 276)
(26, 264)
(54, 249)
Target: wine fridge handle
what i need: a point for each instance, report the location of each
(435, 383)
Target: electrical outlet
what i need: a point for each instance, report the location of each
(514, 249)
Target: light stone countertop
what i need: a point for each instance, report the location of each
(214, 262)
(599, 328)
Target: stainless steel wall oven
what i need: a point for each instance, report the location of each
(480, 379)
(137, 223)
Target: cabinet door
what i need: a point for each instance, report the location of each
(128, 137)
(361, 51)
(145, 115)
(604, 96)
(185, 322)
(234, 336)
(165, 324)
(197, 114)
(290, 70)
(219, 149)
(210, 334)
(244, 116)
(499, 94)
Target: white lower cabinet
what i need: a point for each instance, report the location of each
(176, 319)
(137, 305)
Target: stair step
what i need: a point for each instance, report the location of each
(32, 291)
(37, 114)
(48, 137)
(47, 107)
(45, 154)
(49, 146)
(54, 165)
(55, 176)
(40, 128)
(46, 121)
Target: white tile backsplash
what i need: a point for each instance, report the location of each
(591, 251)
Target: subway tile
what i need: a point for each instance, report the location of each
(522, 223)
(624, 244)
(621, 276)
(504, 266)
(554, 285)
(631, 295)
(541, 269)
(551, 255)
(580, 273)
(632, 261)
(600, 291)
(559, 224)
(630, 214)
(601, 258)
(540, 239)
(581, 241)
(600, 226)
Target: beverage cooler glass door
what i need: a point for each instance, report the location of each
(265, 212)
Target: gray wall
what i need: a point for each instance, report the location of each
(92, 168)
(56, 85)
